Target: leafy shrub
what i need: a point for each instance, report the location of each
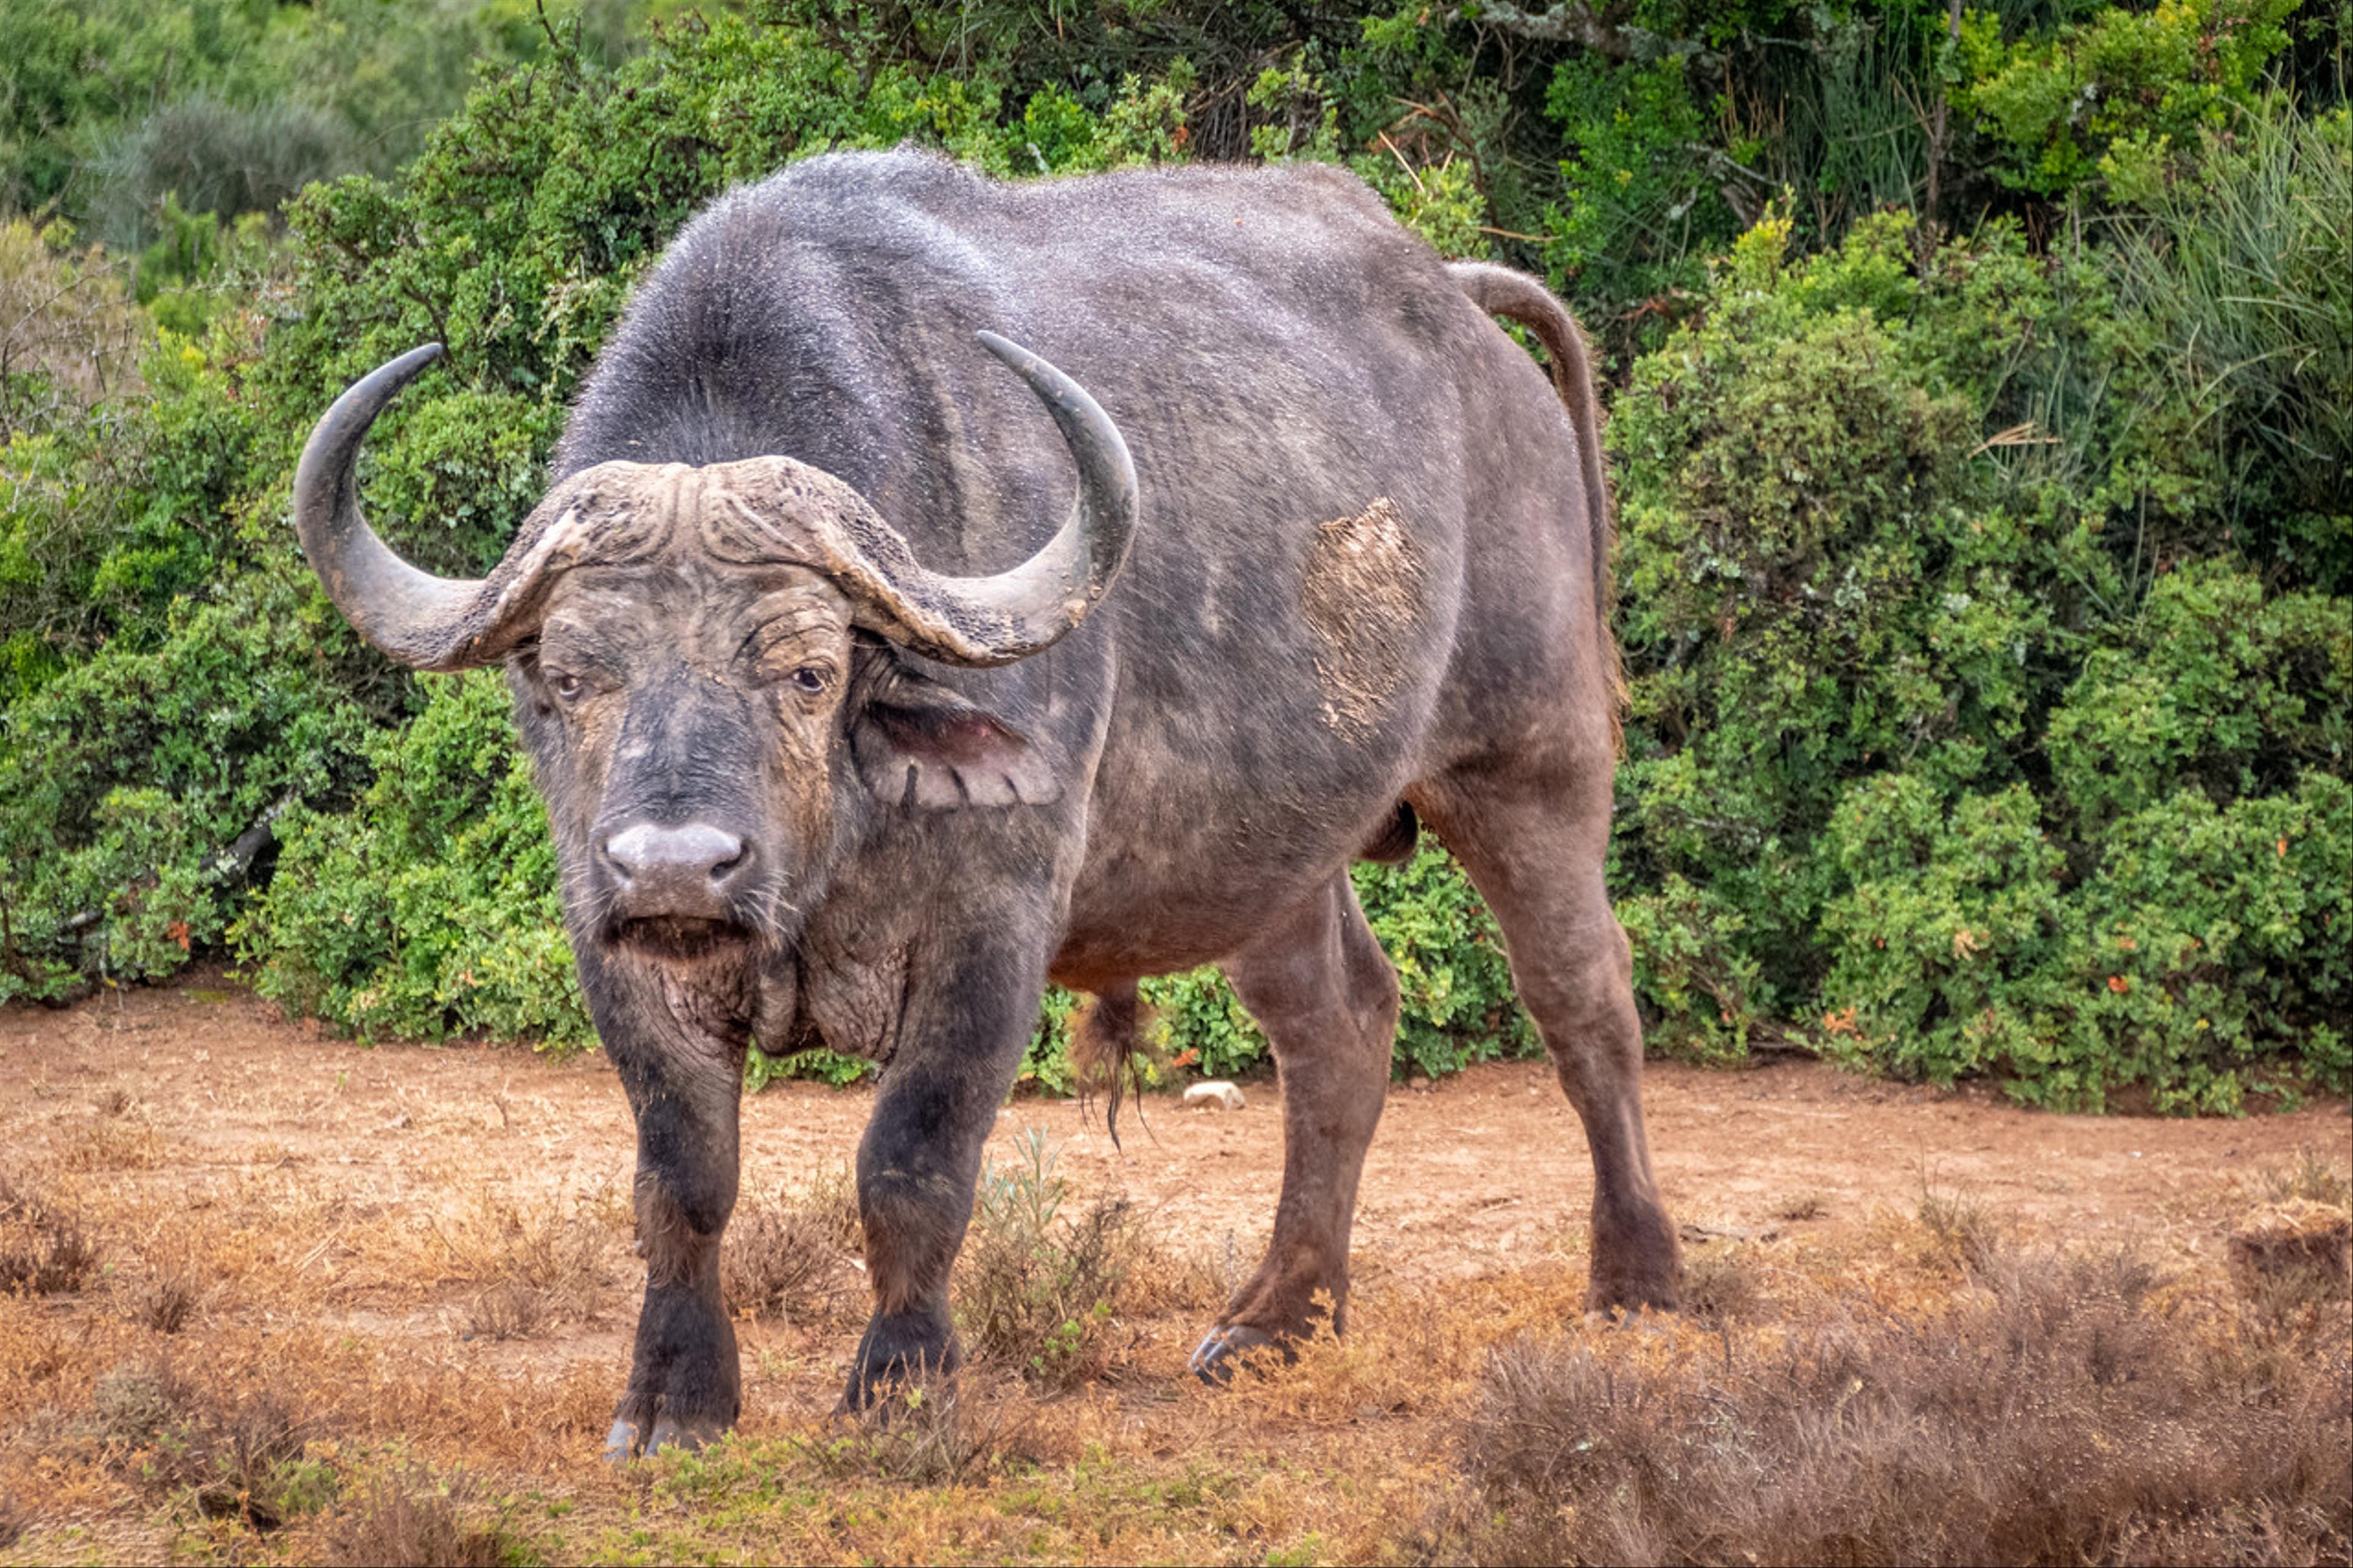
(1641, 214)
(2214, 684)
(1951, 921)
(226, 722)
(2212, 940)
(1039, 1290)
(1919, 685)
(432, 906)
(2118, 93)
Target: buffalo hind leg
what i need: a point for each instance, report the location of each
(1324, 992)
(1533, 848)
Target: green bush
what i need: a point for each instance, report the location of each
(1947, 679)
(1984, 593)
(2208, 943)
(2216, 685)
(2119, 95)
(431, 906)
(224, 723)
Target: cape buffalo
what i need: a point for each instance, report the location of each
(854, 726)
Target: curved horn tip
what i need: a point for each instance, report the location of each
(1004, 348)
(404, 369)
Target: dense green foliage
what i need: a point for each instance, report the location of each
(1962, 729)
(1982, 433)
(232, 106)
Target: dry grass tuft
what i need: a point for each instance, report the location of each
(1040, 1292)
(2310, 1179)
(1800, 1207)
(45, 1250)
(509, 1309)
(2054, 1416)
(169, 1303)
(405, 1515)
(929, 1434)
(532, 1265)
(2290, 1257)
(1720, 1285)
(1966, 1232)
(115, 1144)
(790, 1257)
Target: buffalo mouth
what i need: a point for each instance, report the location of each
(680, 939)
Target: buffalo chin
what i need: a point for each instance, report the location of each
(680, 939)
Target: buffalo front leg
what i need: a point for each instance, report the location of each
(684, 1081)
(1327, 997)
(964, 1023)
(1533, 848)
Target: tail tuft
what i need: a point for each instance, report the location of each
(1107, 1048)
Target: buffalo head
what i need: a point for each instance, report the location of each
(699, 658)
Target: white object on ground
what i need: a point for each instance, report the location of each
(1215, 1095)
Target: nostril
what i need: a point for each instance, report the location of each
(722, 870)
(619, 852)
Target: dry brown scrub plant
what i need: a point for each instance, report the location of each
(403, 1514)
(2061, 1410)
(2307, 1177)
(45, 1248)
(937, 1433)
(531, 1265)
(1040, 1291)
(116, 1144)
(1964, 1231)
(67, 321)
(235, 1450)
(170, 1300)
(791, 1256)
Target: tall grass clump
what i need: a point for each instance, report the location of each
(1041, 1290)
(2065, 1414)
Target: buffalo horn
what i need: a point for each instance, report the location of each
(997, 619)
(422, 621)
(441, 624)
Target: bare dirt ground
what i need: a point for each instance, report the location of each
(341, 1210)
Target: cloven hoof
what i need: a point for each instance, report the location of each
(629, 1439)
(1226, 1348)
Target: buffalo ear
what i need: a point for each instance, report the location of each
(918, 743)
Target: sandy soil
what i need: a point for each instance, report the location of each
(1485, 1170)
(341, 1211)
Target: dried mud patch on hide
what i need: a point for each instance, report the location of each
(1362, 596)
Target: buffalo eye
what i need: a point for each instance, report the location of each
(566, 685)
(809, 680)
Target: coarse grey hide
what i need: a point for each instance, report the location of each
(947, 585)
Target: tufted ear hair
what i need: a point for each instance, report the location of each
(917, 744)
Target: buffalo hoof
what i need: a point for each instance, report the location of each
(1226, 1348)
(900, 1352)
(634, 1436)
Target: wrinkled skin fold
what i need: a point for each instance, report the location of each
(865, 701)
